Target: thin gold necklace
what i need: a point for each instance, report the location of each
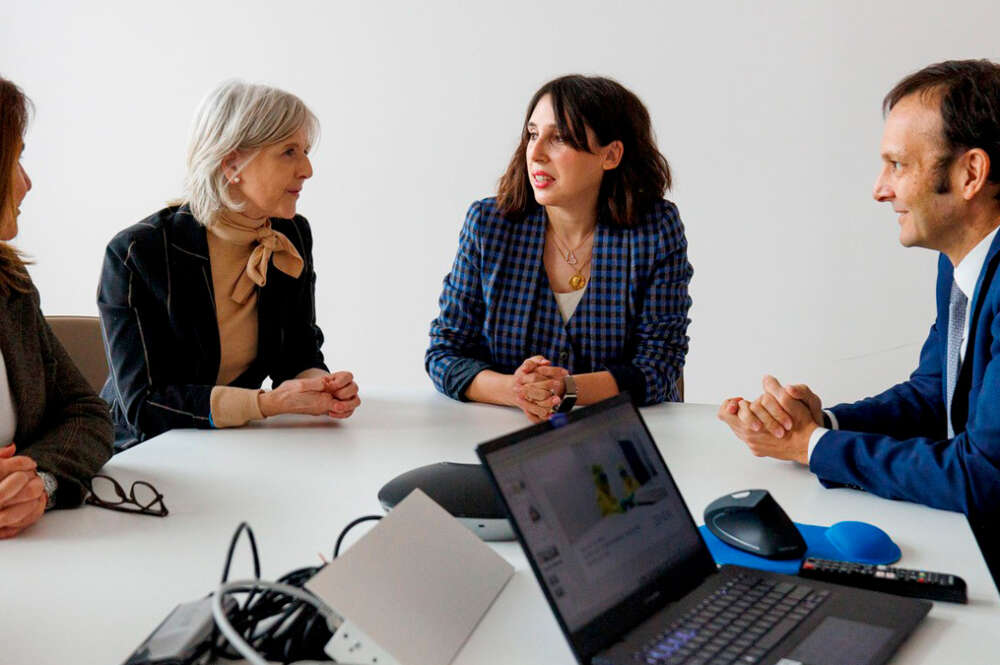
(577, 281)
(569, 255)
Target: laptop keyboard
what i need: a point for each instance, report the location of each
(739, 623)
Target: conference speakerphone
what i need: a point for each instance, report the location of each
(464, 490)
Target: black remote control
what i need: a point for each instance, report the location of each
(900, 581)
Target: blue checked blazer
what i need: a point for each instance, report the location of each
(497, 307)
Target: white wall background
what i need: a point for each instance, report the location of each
(769, 113)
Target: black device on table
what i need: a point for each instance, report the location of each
(464, 490)
(887, 579)
(751, 520)
(632, 582)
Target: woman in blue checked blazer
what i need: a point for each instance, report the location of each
(578, 268)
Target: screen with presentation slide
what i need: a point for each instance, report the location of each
(597, 509)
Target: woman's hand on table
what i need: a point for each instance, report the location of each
(343, 389)
(304, 396)
(22, 492)
(537, 386)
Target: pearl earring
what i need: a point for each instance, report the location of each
(236, 179)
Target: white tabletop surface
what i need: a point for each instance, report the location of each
(88, 585)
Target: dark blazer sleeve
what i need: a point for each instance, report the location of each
(138, 338)
(72, 437)
(302, 340)
(458, 349)
(658, 340)
(961, 474)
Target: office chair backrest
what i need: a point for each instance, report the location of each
(81, 337)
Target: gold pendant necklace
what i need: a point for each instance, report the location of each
(577, 281)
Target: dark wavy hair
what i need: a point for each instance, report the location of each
(612, 113)
(969, 93)
(14, 109)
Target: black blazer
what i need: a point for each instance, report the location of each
(161, 334)
(61, 423)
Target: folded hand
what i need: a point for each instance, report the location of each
(343, 389)
(778, 423)
(22, 492)
(538, 387)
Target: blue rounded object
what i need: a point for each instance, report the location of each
(863, 543)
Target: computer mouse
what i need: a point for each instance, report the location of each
(862, 542)
(751, 520)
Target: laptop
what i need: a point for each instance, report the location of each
(629, 578)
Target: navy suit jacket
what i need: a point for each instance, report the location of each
(895, 444)
(161, 333)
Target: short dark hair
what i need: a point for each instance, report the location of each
(969, 93)
(14, 110)
(613, 113)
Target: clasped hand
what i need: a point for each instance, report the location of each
(22, 492)
(537, 387)
(778, 423)
(334, 395)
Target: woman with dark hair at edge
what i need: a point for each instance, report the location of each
(575, 276)
(54, 431)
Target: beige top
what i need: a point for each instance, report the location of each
(239, 249)
(567, 302)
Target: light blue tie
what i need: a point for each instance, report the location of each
(956, 326)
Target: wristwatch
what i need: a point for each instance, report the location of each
(569, 397)
(51, 485)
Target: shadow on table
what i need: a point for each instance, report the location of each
(176, 485)
(297, 422)
(395, 414)
(988, 538)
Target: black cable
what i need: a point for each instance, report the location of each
(232, 547)
(279, 627)
(340, 539)
(220, 647)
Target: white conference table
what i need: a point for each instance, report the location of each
(87, 586)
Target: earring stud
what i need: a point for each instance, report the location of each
(236, 179)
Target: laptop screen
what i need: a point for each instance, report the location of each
(596, 508)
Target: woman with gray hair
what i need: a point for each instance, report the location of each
(203, 300)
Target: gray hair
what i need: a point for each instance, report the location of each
(237, 116)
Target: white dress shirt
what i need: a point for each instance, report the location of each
(966, 275)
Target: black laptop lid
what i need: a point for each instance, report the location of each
(600, 519)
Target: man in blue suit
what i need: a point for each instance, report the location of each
(935, 438)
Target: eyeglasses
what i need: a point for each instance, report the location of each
(142, 498)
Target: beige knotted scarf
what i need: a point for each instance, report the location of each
(267, 244)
